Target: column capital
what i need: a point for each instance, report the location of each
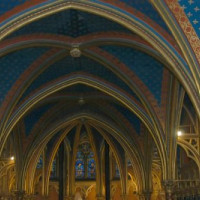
(168, 185)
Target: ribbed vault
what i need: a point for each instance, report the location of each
(84, 71)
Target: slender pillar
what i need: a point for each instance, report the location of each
(44, 193)
(107, 171)
(141, 197)
(65, 175)
(101, 194)
(61, 169)
(168, 184)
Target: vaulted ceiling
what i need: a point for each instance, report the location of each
(124, 72)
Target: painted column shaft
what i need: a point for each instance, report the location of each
(107, 171)
(61, 166)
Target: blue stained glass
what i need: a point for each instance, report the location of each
(91, 168)
(129, 163)
(85, 147)
(79, 154)
(91, 155)
(53, 170)
(80, 172)
(117, 174)
(85, 166)
(40, 163)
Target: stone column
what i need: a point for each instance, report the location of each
(168, 185)
(61, 170)
(44, 192)
(141, 197)
(107, 171)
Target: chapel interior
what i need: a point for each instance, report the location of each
(99, 99)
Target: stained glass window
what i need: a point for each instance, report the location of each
(91, 165)
(85, 164)
(129, 163)
(53, 169)
(117, 173)
(80, 169)
(40, 163)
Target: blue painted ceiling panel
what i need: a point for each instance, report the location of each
(130, 116)
(82, 64)
(6, 5)
(72, 23)
(32, 117)
(147, 9)
(14, 64)
(148, 69)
